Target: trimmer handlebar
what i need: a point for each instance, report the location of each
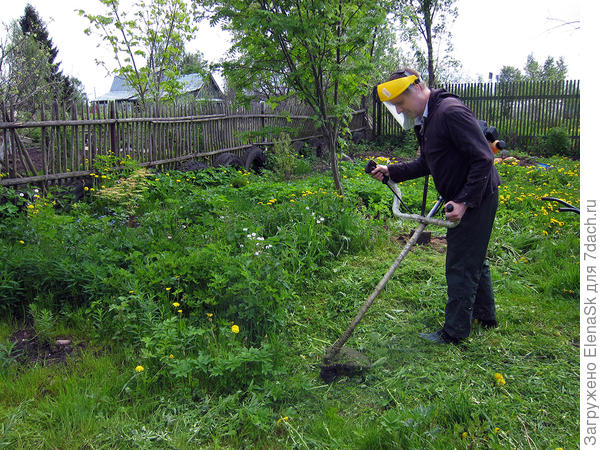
(369, 168)
(410, 216)
(569, 207)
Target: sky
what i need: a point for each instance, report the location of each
(487, 35)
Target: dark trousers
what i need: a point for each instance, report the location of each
(470, 294)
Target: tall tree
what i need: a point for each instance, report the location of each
(551, 70)
(32, 25)
(425, 23)
(319, 49)
(509, 74)
(24, 70)
(147, 41)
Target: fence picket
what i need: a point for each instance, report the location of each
(520, 111)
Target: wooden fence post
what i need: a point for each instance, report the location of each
(113, 128)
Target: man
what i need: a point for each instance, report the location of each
(455, 152)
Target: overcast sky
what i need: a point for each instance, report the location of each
(488, 34)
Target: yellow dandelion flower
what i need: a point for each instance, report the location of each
(167, 289)
(465, 434)
(86, 188)
(21, 242)
(139, 369)
(171, 356)
(282, 420)
(499, 379)
(176, 304)
(235, 329)
(496, 430)
(179, 311)
(209, 315)
(30, 206)
(131, 292)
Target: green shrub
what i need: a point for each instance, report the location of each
(281, 158)
(555, 143)
(43, 323)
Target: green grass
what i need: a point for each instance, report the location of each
(416, 396)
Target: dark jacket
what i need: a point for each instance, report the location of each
(454, 151)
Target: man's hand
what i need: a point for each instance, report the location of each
(458, 210)
(379, 172)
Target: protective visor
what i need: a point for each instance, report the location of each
(389, 91)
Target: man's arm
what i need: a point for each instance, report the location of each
(408, 171)
(467, 137)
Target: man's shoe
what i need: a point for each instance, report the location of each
(438, 337)
(487, 324)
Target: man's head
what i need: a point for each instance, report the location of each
(405, 95)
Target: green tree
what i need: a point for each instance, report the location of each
(532, 69)
(32, 25)
(509, 74)
(192, 63)
(148, 43)
(424, 24)
(554, 70)
(321, 50)
(551, 70)
(24, 70)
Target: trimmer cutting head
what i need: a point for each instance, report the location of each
(346, 362)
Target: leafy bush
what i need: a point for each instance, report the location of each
(281, 158)
(555, 143)
(43, 323)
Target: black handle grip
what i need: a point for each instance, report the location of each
(369, 168)
(449, 208)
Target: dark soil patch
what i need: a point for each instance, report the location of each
(527, 161)
(438, 243)
(31, 351)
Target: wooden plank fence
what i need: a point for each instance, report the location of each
(72, 136)
(522, 111)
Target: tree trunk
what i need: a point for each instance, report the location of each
(429, 39)
(331, 138)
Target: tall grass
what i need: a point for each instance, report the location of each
(287, 263)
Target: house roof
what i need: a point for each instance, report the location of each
(120, 90)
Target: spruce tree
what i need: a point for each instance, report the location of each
(32, 25)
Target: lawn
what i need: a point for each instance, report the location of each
(199, 307)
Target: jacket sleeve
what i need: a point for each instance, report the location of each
(468, 138)
(407, 171)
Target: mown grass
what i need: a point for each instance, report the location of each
(416, 396)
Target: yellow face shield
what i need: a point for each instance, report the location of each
(389, 90)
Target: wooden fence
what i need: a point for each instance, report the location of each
(67, 139)
(522, 112)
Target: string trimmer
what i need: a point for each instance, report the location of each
(345, 361)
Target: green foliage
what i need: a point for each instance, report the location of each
(147, 42)
(8, 355)
(320, 51)
(425, 25)
(556, 142)
(32, 25)
(289, 263)
(43, 323)
(282, 156)
(551, 71)
(24, 71)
